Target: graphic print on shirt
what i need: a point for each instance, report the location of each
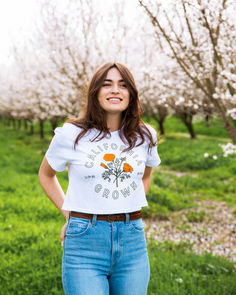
(115, 168)
(119, 173)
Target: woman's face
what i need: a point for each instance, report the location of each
(113, 96)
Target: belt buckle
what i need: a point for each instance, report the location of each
(111, 218)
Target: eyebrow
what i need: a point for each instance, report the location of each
(109, 80)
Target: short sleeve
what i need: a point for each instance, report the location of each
(153, 158)
(60, 150)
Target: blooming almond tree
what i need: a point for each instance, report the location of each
(54, 65)
(153, 104)
(200, 36)
(169, 89)
(182, 96)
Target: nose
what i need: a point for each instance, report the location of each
(115, 88)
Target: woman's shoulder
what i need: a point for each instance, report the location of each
(151, 129)
(68, 130)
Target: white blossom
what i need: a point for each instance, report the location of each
(179, 280)
(228, 149)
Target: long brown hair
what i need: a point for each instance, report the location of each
(94, 116)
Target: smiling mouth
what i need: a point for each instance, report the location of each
(114, 99)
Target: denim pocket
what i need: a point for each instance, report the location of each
(137, 225)
(78, 226)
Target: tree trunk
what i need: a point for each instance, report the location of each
(25, 124)
(54, 123)
(188, 121)
(31, 128)
(41, 129)
(160, 119)
(14, 123)
(207, 120)
(161, 126)
(229, 128)
(191, 130)
(19, 123)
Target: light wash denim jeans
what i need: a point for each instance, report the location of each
(105, 258)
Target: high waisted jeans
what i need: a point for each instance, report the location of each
(105, 258)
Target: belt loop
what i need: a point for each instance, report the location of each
(127, 218)
(94, 219)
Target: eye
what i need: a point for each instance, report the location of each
(106, 84)
(123, 85)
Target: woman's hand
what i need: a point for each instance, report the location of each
(63, 232)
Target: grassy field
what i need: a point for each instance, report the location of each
(30, 224)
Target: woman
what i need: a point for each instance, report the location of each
(110, 153)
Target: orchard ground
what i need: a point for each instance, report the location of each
(191, 211)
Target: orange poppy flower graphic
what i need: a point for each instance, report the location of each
(104, 166)
(127, 168)
(113, 168)
(109, 157)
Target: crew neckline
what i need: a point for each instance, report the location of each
(115, 131)
(111, 132)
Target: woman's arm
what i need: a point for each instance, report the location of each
(51, 186)
(147, 178)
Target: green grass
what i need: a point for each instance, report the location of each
(186, 155)
(178, 271)
(174, 125)
(30, 224)
(169, 192)
(200, 177)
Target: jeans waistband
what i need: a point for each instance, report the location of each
(108, 217)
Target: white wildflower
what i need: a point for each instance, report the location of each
(228, 149)
(179, 280)
(206, 155)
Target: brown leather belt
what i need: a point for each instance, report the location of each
(108, 217)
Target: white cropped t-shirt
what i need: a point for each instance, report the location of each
(102, 179)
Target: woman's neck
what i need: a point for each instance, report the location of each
(113, 122)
